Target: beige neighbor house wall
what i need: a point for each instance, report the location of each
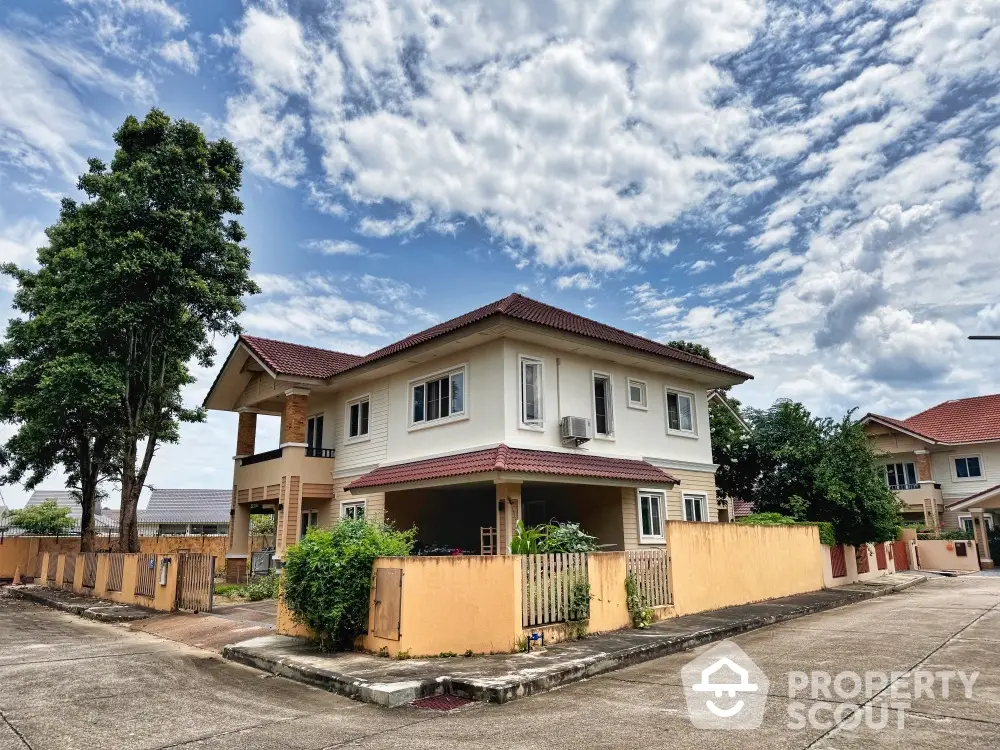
(714, 565)
(939, 554)
(851, 565)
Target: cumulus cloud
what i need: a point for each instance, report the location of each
(180, 53)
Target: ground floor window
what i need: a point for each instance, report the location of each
(695, 507)
(650, 517)
(352, 509)
(309, 519)
(966, 523)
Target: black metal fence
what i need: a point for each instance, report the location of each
(107, 531)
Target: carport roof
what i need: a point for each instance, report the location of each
(504, 459)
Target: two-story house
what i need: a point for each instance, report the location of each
(517, 410)
(944, 464)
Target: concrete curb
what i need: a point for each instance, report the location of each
(93, 609)
(256, 654)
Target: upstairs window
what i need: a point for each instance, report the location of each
(314, 434)
(438, 398)
(357, 418)
(603, 411)
(902, 476)
(968, 467)
(636, 393)
(310, 518)
(680, 412)
(531, 392)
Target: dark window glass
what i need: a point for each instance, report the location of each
(418, 403)
(433, 400)
(673, 412)
(973, 464)
(443, 390)
(601, 406)
(355, 420)
(364, 418)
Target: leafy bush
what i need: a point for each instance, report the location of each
(642, 615)
(826, 535)
(952, 534)
(328, 576)
(579, 601)
(262, 587)
(545, 538)
(46, 519)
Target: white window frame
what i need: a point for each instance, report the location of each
(312, 418)
(609, 399)
(904, 464)
(539, 424)
(345, 504)
(360, 437)
(954, 468)
(662, 501)
(968, 517)
(703, 499)
(305, 525)
(642, 405)
(693, 432)
(429, 377)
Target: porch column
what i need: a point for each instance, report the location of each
(246, 433)
(293, 417)
(508, 512)
(979, 531)
(926, 482)
(239, 541)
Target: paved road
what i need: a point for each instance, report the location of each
(70, 683)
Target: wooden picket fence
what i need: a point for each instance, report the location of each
(650, 568)
(547, 586)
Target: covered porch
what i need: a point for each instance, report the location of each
(470, 503)
(980, 516)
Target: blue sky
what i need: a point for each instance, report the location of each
(812, 190)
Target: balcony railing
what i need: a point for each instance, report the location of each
(319, 452)
(898, 487)
(257, 458)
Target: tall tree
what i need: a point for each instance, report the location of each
(173, 274)
(57, 384)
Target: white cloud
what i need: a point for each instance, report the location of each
(773, 237)
(336, 247)
(162, 11)
(580, 281)
(180, 53)
(700, 266)
(267, 139)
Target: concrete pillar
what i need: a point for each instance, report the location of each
(923, 466)
(246, 433)
(508, 496)
(979, 530)
(293, 416)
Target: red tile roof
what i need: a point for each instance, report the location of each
(964, 420)
(516, 460)
(294, 359)
(324, 364)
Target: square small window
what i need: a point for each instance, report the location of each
(650, 516)
(695, 507)
(680, 412)
(353, 509)
(968, 467)
(636, 393)
(358, 413)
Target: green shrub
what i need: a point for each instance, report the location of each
(229, 589)
(642, 615)
(826, 535)
(262, 587)
(548, 537)
(952, 534)
(328, 576)
(579, 601)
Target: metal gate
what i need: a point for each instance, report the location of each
(838, 563)
(880, 556)
(145, 576)
(195, 582)
(69, 570)
(900, 556)
(89, 570)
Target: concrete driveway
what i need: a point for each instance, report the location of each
(70, 683)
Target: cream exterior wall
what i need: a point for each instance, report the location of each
(952, 488)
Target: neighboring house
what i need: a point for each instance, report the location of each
(66, 499)
(515, 411)
(179, 512)
(944, 463)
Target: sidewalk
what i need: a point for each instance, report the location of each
(77, 604)
(505, 677)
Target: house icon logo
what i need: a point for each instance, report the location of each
(724, 689)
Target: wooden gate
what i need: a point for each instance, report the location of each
(388, 603)
(880, 556)
(838, 563)
(69, 570)
(900, 556)
(861, 555)
(195, 581)
(652, 575)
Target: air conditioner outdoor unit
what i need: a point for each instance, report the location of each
(576, 430)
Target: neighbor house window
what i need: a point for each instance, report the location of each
(901, 476)
(650, 516)
(695, 507)
(357, 418)
(968, 467)
(309, 519)
(354, 509)
(603, 410)
(680, 412)
(531, 392)
(314, 435)
(637, 393)
(439, 397)
(966, 523)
